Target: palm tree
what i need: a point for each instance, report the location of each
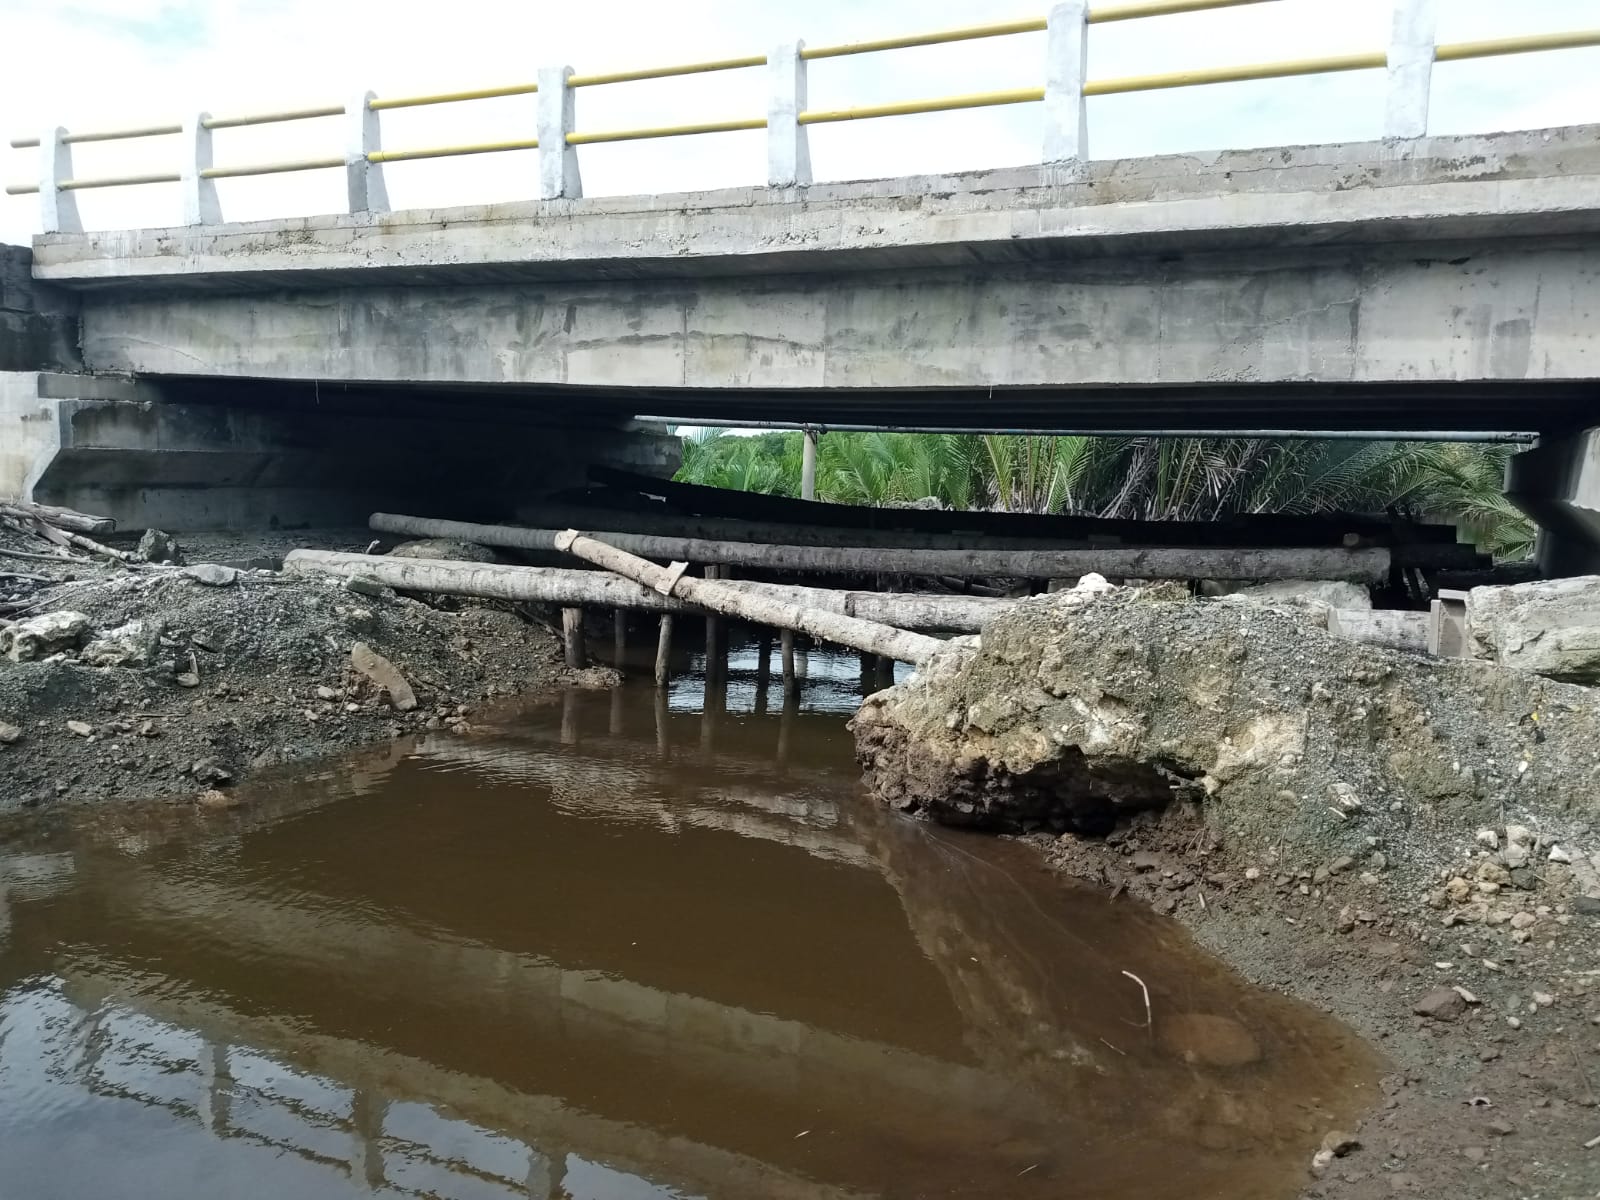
(1187, 479)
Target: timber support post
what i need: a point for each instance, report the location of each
(664, 651)
(734, 600)
(619, 636)
(572, 638)
(808, 463)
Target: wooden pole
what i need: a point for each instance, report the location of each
(664, 651)
(569, 716)
(716, 635)
(732, 599)
(619, 636)
(1369, 564)
(599, 589)
(572, 638)
(884, 673)
(786, 641)
(808, 464)
(763, 673)
(663, 744)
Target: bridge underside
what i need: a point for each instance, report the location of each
(1529, 407)
(1417, 286)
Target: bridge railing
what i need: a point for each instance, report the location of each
(1409, 59)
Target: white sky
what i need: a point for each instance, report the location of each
(91, 64)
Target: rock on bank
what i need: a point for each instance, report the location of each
(1080, 707)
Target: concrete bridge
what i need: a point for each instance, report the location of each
(309, 369)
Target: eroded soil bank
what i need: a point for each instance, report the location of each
(183, 681)
(1404, 842)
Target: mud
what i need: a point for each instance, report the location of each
(1407, 843)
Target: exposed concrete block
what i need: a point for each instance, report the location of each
(1447, 624)
(29, 433)
(1557, 483)
(1550, 627)
(38, 322)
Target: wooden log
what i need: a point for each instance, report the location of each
(786, 649)
(572, 638)
(1427, 547)
(735, 600)
(664, 651)
(1395, 628)
(549, 585)
(61, 518)
(1362, 564)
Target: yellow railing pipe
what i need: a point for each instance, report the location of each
(936, 38)
(696, 68)
(386, 156)
(494, 93)
(1162, 8)
(74, 185)
(272, 168)
(1576, 39)
(634, 135)
(1236, 74)
(904, 108)
(272, 118)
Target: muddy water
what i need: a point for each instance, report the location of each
(615, 947)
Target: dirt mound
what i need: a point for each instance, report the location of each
(206, 674)
(1077, 708)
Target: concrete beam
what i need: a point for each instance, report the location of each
(1545, 183)
(1557, 483)
(1367, 315)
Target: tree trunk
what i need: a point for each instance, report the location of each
(734, 600)
(548, 585)
(1366, 565)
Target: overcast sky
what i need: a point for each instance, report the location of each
(89, 64)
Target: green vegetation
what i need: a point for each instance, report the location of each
(1188, 479)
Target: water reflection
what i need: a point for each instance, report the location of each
(597, 952)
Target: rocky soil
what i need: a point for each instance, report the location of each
(155, 680)
(1408, 843)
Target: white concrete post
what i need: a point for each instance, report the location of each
(363, 136)
(1411, 45)
(200, 205)
(558, 162)
(1066, 114)
(58, 210)
(788, 148)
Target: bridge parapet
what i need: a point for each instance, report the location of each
(556, 136)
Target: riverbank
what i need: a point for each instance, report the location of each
(1406, 844)
(181, 681)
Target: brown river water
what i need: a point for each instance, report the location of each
(615, 947)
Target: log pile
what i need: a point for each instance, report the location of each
(64, 528)
(1363, 564)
